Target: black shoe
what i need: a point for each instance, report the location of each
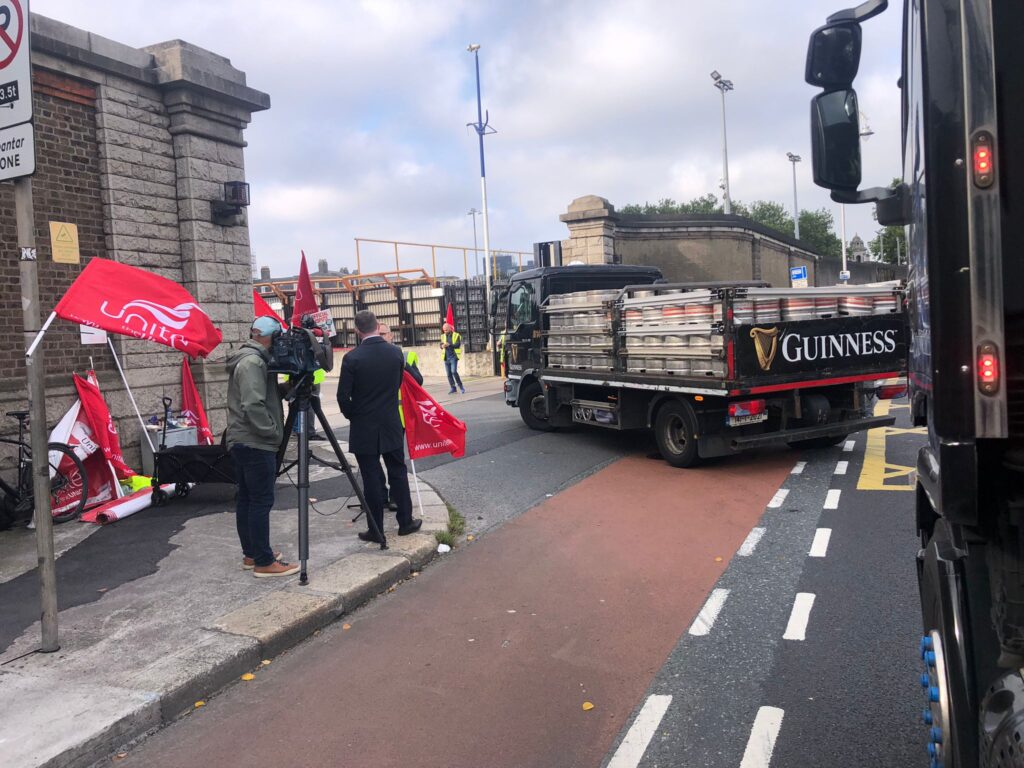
(371, 537)
(451, 391)
(392, 506)
(412, 527)
(317, 436)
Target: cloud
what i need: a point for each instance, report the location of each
(367, 134)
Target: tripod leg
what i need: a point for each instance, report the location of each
(347, 469)
(303, 417)
(289, 423)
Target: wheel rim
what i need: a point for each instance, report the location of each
(937, 704)
(537, 408)
(675, 434)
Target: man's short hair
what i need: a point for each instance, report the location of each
(366, 321)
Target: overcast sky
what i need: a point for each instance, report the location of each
(366, 135)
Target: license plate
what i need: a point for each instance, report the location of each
(739, 421)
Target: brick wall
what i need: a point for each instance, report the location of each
(66, 187)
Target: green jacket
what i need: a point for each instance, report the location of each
(255, 413)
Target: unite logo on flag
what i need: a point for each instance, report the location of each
(428, 411)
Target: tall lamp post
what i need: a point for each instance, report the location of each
(794, 159)
(724, 85)
(482, 128)
(476, 252)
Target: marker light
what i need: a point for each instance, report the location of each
(984, 160)
(747, 408)
(988, 369)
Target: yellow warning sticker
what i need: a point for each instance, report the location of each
(64, 242)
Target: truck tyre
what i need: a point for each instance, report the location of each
(817, 442)
(533, 409)
(675, 429)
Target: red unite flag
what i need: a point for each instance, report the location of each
(450, 315)
(305, 300)
(260, 308)
(133, 302)
(104, 431)
(192, 405)
(429, 428)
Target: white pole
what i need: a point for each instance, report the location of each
(796, 207)
(842, 227)
(130, 395)
(725, 158)
(39, 336)
(416, 481)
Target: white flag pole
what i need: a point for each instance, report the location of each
(130, 395)
(416, 480)
(39, 336)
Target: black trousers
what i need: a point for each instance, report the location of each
(373, 485)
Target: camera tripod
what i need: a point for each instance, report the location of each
(301, 401)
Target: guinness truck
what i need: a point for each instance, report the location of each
(711, 368)
(962, 202)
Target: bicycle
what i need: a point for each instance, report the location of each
(68, 481)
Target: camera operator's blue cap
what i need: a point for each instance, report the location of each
(267, 326)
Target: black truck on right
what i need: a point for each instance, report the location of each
(961, 201)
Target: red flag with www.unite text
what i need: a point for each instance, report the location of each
(429, 428)
(192, 405)
(133, 302)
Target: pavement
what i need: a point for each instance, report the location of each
(156, 613)
(626, 615)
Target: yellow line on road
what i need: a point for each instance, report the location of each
(877, 474)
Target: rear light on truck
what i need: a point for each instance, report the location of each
(984, 161)
(747, 408)
(891, 391)
(988, 369)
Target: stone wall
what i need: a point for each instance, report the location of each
(132, 146)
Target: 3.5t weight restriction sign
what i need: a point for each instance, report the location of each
(15, 64)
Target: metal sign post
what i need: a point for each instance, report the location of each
(18, 162)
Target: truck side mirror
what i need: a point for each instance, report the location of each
(833, 55)
(835, 140)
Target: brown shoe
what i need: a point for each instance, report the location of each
(248, 563)
(276, 568)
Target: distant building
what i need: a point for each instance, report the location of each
(857, 251)
(324, 277)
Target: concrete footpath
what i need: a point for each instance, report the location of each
(180, 619)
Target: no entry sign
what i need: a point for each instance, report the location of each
(17, 138)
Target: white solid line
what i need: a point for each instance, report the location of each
(797, 627)
(832, 498)
(841, 467)
(640, 733)
(706, 618)
(778, 498)
(747, 547)
(799, 468)
(848, 445)
(820, 544)
(763, 734)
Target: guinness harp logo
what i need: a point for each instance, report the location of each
(766, 344)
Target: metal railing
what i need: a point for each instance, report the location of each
(438, 250)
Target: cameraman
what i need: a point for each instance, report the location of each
(254, 434)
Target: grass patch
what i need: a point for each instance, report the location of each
(456, 522)
(445, 537)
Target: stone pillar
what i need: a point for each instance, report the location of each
(591, 221)
(209, 105)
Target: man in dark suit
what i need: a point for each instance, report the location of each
(371, 376)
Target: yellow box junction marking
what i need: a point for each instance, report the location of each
(877, 474)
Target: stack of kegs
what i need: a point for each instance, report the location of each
(856, 306)
(798, 308)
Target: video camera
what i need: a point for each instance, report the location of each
(298, 351)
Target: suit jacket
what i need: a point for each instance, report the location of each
(371, 376)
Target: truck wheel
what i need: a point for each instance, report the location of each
(675, 430)
(533, 409)
(818, 442)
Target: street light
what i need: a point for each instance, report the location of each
(794, 159)
(476, 252)
(724, 85)
(482, 128)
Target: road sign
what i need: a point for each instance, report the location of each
(64, 242)
(798, 276)
(17, 152)
(844, 275)
(15, 66)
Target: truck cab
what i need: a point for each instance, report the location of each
(528, 291)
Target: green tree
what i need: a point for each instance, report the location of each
(889, 244)
(771, 215)
(818, 233)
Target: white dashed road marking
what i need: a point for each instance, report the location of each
(747, 547)
(820, 544)
(761, 743)
(706, 618)
(797, 627)
(832, 499)
(632, 748)
(799, 468)
(779, 498)
(841, 467)
(848, 445)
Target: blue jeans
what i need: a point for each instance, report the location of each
(451, 367)
(256, 472)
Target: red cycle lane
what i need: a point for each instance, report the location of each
(486, 659)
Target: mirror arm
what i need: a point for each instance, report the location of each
(870, 195)
(892, 205)
(862, 12)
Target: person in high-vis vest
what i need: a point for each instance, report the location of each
(501, 352)
(412, 366)
(451, 353)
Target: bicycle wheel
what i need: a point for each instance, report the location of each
(69, 485)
